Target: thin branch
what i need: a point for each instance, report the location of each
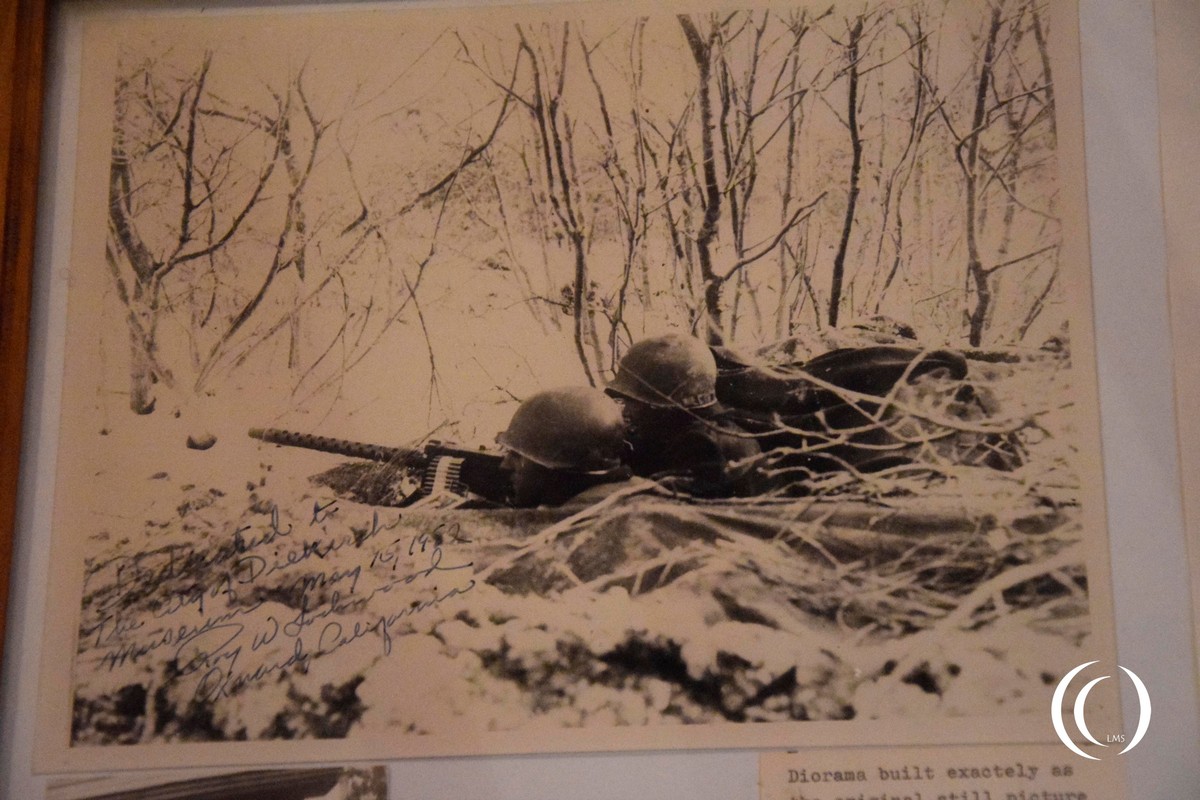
(1025, 257)
(801, 214)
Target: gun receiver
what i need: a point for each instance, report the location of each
(441, 468)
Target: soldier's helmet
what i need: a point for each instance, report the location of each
(670, 371)
(578, 429)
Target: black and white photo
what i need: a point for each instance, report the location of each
(539, 378)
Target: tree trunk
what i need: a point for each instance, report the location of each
(839, 261)
(141, 365)
(976, 273)
(702, 54)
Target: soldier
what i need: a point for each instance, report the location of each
(667, 389)
(837, 411)
(563, 442)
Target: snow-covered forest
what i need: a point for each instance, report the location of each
(488, 209)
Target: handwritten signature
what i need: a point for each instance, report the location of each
(204, 614)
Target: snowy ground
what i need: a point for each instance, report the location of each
(237, 599)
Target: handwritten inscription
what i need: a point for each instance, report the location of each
(274, 596)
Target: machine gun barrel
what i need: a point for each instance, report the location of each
(403, 456)
(440, 468)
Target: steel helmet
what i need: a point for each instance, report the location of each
(670, 371)
(578, 429)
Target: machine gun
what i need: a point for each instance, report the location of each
(441, 469)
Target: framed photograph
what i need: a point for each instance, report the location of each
(567, 378)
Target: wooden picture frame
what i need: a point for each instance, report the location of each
(25, 26)
(22, 41)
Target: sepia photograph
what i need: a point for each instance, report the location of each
(538, 378)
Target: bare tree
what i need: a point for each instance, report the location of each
(856, 150)
(214, 223)
(730, 167)
(627, 171)
(792, 260)
(180, 191)
(725, 178)
(554, 167)
(988, 155)
(900, 176)
(701, 47)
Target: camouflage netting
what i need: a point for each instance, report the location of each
(930, 587)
